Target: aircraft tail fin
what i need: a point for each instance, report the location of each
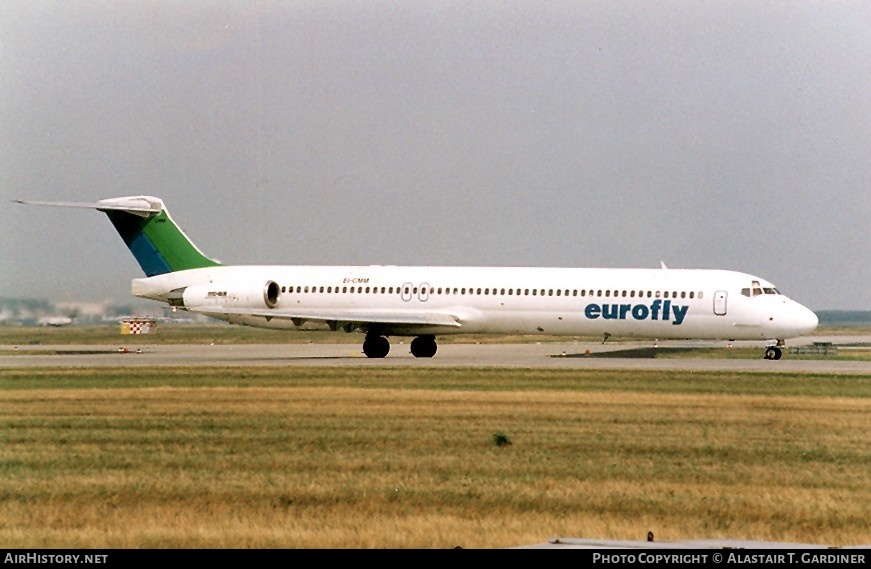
(156, 242)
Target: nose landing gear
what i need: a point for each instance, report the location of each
(776, 351)
(773, 353)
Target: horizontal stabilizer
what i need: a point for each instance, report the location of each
(143, 206)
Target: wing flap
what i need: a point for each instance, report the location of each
(385, 317)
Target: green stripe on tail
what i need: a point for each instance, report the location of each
(157, 243)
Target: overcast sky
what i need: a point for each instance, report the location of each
(726, 134)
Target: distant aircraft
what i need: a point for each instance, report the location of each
(55, 321)
(423, 302)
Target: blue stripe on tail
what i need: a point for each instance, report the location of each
(130, 227)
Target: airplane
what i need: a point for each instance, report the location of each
(423, 302)
(55, 321)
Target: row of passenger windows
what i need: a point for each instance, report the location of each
(413, 290)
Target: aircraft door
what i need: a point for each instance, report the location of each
(406, 292)
(423, 292)
(720, 302)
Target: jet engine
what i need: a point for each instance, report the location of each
(234, 294)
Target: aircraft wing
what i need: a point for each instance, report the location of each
(347, 320)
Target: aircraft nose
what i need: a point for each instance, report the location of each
(795, 320)
(807, 320)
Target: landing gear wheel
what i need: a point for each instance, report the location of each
(773, 353)
(423, 347)
(376, 346)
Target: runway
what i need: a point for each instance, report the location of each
(565, 355)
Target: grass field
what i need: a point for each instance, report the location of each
(428, 457)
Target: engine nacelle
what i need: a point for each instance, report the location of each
(231, 295)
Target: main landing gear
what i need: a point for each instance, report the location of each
(423, 347)
(377, 346)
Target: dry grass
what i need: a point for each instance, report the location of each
(331, 458)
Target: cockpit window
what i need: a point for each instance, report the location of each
(755, 289)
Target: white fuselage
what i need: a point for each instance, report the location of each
(650, 303)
